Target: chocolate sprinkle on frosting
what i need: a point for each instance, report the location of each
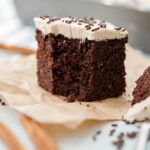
(118, 28)
(88, 27)
(95, 29)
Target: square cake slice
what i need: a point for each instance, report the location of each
(80, 58)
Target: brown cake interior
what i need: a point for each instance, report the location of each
(86, 71)
(142, 89)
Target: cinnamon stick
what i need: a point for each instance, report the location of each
(41, 139)
(16, 49)
(9, 138)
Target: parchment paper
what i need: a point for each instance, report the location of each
(20, 90)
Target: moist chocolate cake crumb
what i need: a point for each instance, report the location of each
(112, 132)
(83, 71)
(142, 89)
(120, 141)
(131, 135)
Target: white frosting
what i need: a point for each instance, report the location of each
(75, 31)
(139, 111)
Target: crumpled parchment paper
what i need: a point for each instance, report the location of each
(20, 90)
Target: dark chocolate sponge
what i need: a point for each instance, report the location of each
(142, 89)
(86, 71)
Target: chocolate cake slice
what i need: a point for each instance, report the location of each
(80, 58)
(142, 89)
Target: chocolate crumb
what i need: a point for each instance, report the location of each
(112, 132)
(131, 135)
(145, 108)
(3, 103)
(88, 105)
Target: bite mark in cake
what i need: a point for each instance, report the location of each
(80, 58)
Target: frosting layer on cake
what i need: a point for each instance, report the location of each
(79, 28)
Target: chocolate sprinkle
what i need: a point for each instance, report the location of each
(120, 141)
(114, 125)
(98, 132)
(131, 135)
(89, 21)
(88, 27)
(95, 29)
(112, 132)
(95, 135)
(118, 28)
